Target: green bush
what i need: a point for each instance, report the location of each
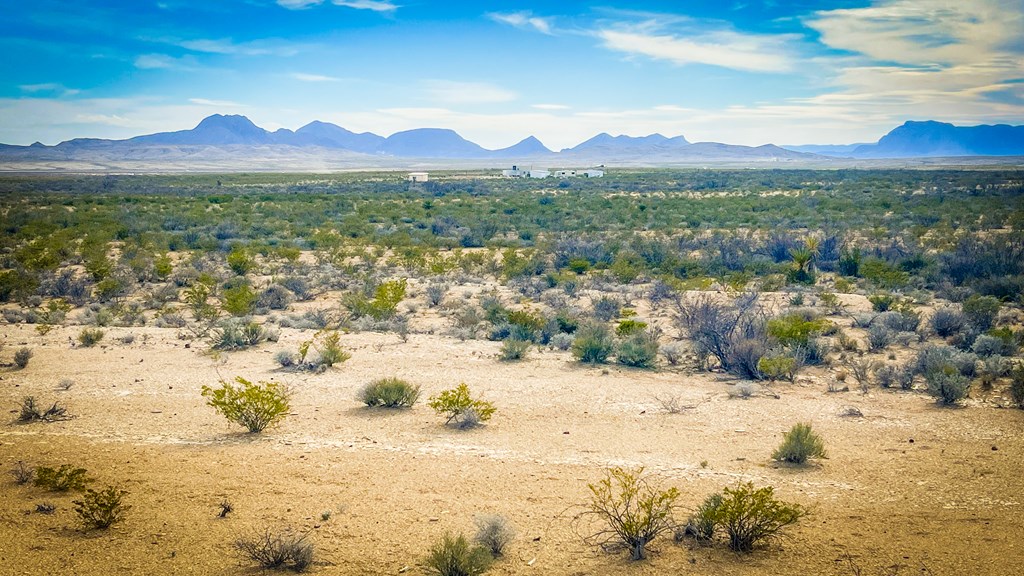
(749, 516)
(593, 344)
(639, 351)
(799, 444)
(233, 335)
(454, 556)
(1017, 385)
(947, 384)
(882, 302)
(330, 349)
(389, 393)
(795, 329)
(239, 300)
(514, 349)
(460, 408)
(101, 509)
(777, 367)
(702, 524)
(240, 261)
(981, 311)
(628, 327)
(632, 512)
(254, 406)
(89, 337)
(62, 479)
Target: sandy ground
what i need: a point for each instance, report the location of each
(910, 484)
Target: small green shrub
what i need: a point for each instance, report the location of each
(639, 350)
(799, 444)
(795, 329)
(749, 516)
(240, 261)
(629, 327)
(494, 533)
(606, 308)
(777, 367)
(62, 479)
(1017, 385)
(283, 550)
(239, 300)
(702, 524)
(454, 556)
(31, 411)
(234, 335)
(882, 302)
(89, 337)
(947, 384)
(389, 393)
(631, 510)
(460, 408)
(514, 349)
(981, 311)
(21, 357)
(101, 509)
(330, 350)
(593, 344)
(255, 406)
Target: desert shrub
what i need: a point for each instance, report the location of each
(992, 368)
(254, 406)
(298, 286)
(240, 261)
(239, 300)
(384, 304)
(882, 302)
(493, 532)
(460, 408)
(947, 321)
(878, 337)
(62, 479)
(861, 369)
(863, 320)
(435, 293)
(1017, 385)
(234, 335)
(281, 550)
(799, 444)
(454, 556)
(702, 523)
(813, 353)
(632, 511)
(750, 515)
(673, 352)
(732, 332)
(89, 337)
(795, 329)
(389, 393)
(985, 346)
(285, 358)
(22, 473)
(628, 327)
(779, 367)
(22, 357)
(561, 341)
(593, 344)
(31, 411)
(101, 509)
(330, 349)
(606, 308)
(903, 320)
(981, 311)
(847, 343)
(889, 376)
(947, 384)
(274, 297)
(933, 358)
(638, 350)
(514, 349)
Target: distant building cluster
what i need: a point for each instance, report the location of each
(418, 176)
(518, 172)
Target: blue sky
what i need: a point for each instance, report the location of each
(742, 72)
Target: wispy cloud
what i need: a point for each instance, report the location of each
(373, 5)
(48, 87)
(164, 62)
(724, 48)
(523, 19)
(450, 92)
(301, 76)
(550, 106)
(216, 103)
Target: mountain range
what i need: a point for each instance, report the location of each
(233, 140)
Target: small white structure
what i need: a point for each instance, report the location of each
(417, 176)
(592, 173)
(517, 172)
(565, 173)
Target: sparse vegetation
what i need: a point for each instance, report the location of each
(593, 344)
(800, 444)
(460, 408)
(254, 406)
(631, 511)
(455, 556)
(493, 532)
(31, 411)
(101, 509)
(62, 479)
(283, 550)
(749, 516)
(21, 357)
(22, 473)
(389, 393)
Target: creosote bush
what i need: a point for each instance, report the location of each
(593, 344)
(702, 523)
(639, 350)
(799, 444)
(21, 357)
(283, 550)
(389, 393)
(750, 515)
(62, 479)
(89, 337)
(631, 510)
(514, 349)
(100, 509)
(460, 408)
(455, 556)
(255, 406)
(493, 532)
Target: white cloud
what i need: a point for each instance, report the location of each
(550, 106)
(216, 103)
(728, 49)
(313, 77)
(50, 87)
(450, 92)
(523, 19)
(373, 5)
(164, 62)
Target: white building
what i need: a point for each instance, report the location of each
(518, 172)
(417, 176)
(565, 173)
(592, 173)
